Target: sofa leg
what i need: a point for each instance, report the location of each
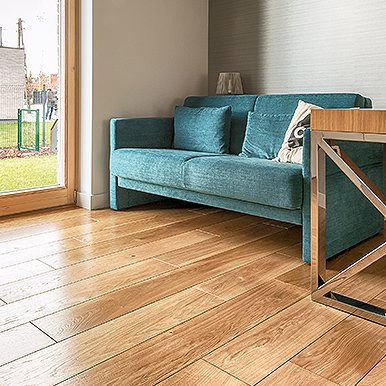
(121, 198)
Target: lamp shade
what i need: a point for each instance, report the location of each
(229, 83)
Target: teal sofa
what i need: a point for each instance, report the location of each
(145, 168)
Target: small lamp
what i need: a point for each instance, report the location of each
(229, 83)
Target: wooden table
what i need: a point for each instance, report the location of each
(326, 127)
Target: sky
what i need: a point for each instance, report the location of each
(40, 32)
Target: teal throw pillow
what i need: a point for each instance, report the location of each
(264, 134)
(205, 129)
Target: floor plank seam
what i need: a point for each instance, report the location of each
(208, 293)
(40, 233)
(243, 245)
(124, 249)
(165, 262)
(100, 242)
(277, 226)
(74, 305)
(54, 340)
(214, 254)
(149, 279)
(133, 310)
(86, 278)
(287, 254)
(88, 244)
(223, 302)
(254, 326)
(84, 260)
(134, 346)
(207, 233)
(80, 318)
(383, 358)
(40, 212)
(52, 254)
(224, 371)
(105, 256)
(48, 265)
(289, 361)
(23, 356)
(319, 337)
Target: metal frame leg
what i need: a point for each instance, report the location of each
(322, 289)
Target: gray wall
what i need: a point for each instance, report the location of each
(138, 59)
(284, 46)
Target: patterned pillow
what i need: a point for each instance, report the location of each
(292, 148)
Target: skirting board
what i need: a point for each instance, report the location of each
(92, 201)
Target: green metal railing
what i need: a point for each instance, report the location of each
(28, 130)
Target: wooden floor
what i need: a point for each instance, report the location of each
(175, 294)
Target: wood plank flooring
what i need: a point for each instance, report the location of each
(175, 294)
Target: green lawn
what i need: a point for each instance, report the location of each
(8, 133)
(28, 172)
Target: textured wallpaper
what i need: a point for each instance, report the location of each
(282, 46)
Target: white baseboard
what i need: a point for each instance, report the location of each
(92, 201)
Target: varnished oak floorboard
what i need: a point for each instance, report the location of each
(293, 250)
(161, 356)
(139, 232)
(292, 375)
(380, 300)
(201, 373)
(130, 238)
(38, 252)
(227, 240)
(20, 341)
(39, 217)
(347, 352)
(34, 229)
(242, 279)
(366, 284)
(299, 276)
(88, 268)
(43, 245)
(376, 377)
(67, 358)
(179, 223)
(249, 357)
(153, 293)
(22, 271)
(65, 323)
(34, 307)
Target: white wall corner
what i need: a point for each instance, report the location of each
(92, 201)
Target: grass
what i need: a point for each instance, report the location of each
(8, 133)
(28, 172)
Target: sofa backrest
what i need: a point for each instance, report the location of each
(240, 104)
(271, 104)
(287, 103)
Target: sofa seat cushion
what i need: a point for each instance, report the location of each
(255, 180)
(157, 166)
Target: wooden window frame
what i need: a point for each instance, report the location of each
(48, 197)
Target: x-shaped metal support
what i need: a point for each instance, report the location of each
(322, 145)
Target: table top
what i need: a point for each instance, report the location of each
(349, 120)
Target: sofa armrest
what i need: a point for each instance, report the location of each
(353, 219)
(141, 132)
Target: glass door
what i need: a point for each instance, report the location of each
(37, 103)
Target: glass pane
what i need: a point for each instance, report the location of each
(30, 94)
